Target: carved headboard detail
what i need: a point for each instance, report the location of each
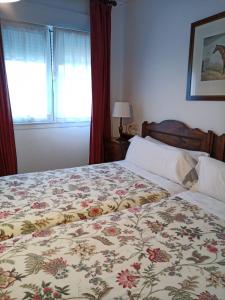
(178, 134)
(219, 147)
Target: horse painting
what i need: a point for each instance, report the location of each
(221, 50)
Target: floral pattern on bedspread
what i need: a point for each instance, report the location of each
(37, 201)
(169, 250)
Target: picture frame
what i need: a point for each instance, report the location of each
(206, 66)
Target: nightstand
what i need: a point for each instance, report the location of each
(115, 149)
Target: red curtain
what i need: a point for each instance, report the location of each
(8, 162)
(100, 19)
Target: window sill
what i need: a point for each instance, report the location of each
(50, 125)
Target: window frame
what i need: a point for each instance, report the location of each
(52, 121)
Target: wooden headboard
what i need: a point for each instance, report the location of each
(176, 133)
(219, 147)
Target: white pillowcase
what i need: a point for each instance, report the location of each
(194, 154)
(211, 178)
(170, 163)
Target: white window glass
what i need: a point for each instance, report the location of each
(27, 52)
(72, 70)
(49, 73)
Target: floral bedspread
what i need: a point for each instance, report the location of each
(169, 250)
(33, 202)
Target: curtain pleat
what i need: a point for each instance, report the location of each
(8, 161)
(100, 20)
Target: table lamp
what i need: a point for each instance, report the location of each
(121, 110)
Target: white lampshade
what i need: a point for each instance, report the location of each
(121, 110)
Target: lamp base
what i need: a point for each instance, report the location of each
(121, 127)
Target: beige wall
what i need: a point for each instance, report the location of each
(156, 59)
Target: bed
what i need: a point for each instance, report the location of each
(169, 250)
(141, 237)
(33, 202)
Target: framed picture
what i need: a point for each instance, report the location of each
(206, 68)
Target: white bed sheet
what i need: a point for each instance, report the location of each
(209, 204)
(172, 187)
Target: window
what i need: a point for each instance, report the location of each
(49, 73)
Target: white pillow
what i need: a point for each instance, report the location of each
(211, 178)
(194, 154)
(171, 163)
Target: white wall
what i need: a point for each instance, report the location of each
(52, 148)
(46, 147)
(117, 57)
(156, 60)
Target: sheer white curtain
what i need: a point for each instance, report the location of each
(72, 71)
(27, 50)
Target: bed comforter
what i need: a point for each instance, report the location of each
(169, 250)
(37, 201)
